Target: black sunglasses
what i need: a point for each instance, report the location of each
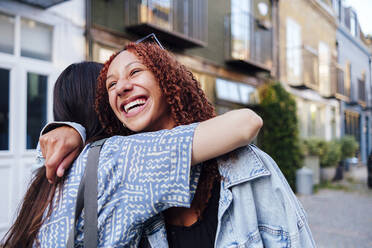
(150, 38)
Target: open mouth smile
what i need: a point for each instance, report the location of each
(134, 105)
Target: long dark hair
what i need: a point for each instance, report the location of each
(74, 93)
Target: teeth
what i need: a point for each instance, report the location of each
(134, 103)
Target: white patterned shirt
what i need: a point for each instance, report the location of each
(138, 177)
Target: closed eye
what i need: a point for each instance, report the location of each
(134, 71)
(111, 84)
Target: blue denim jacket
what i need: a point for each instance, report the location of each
(257, 208)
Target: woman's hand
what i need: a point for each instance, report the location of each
(60, 147)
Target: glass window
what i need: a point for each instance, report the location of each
(7, 33)
(36, 107)
(36, 40)
(160, 13)
(324, 66)
(293, 51)
(240, 29)
(4, 109)
(353, 24)
(236, 92)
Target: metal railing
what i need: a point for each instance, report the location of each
(186, 19)
(362, 90)
(302, 67)
(338, 81)
(248, 39)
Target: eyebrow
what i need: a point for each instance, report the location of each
(131, 63)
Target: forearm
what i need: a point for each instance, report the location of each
(224, 133)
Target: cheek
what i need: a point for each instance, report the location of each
(112, 101)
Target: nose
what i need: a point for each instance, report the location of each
(123, 86)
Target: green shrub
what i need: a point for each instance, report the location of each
(279, 135)
(313, 146)
(349, 146)
(331, 154)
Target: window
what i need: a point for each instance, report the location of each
(4, 109)
(36, 40)
(353, 24)
(7, 33)
(293, 51)
(240, 29)
(337, 7)
(324, 67)
(235, 92)
(348, 79)
(352, 124)
(36, 107)
(102, 53)
(159, 12)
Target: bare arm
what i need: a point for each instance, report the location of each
(212, 138)
(224, 133)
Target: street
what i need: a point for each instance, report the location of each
(342, 217)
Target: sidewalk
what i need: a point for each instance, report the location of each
(342, 217)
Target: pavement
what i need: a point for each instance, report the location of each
(340, 214)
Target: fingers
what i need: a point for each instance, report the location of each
(58, 145)
(67, 161)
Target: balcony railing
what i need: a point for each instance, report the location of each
(180, 23)
(42, 3)
(249, 41)
(302, 67)
(339, 86)
(362, 91)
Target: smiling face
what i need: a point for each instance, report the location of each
(135, 95)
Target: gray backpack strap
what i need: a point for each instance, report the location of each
(87, 199)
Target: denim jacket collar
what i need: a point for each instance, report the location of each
(239, 169)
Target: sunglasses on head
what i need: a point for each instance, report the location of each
(150, 38)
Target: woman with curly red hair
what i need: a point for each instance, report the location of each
(174, 92)
(143, 88)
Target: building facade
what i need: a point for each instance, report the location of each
(354, 93)
(36, 44)
(229, 45)
(308, 64)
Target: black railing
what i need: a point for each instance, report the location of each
(42, 3)
(339, 82)
(182, 23)
(302, 67)
(362, 90)
(249, 40)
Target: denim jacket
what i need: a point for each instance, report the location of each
(257, 207)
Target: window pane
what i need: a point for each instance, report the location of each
(293, 51)
(161, 13)
(36, 40)
(36, 107)
(7, 33)
(4, 109)
(240, 29)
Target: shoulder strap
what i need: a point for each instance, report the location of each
(87, 196)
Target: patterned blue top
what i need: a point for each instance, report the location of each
(138, 177)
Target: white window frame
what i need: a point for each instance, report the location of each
(293, 51)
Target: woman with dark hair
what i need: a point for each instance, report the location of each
(138, 175)
(76, 81)
(241, 200)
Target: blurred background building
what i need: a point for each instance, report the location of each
(315, 48)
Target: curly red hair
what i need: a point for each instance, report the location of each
(185, 98)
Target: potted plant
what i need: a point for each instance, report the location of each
(312, 151)
(349, 147)
(329, 159)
